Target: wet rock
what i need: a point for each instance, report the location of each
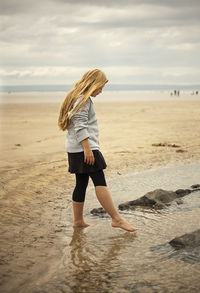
(179, 201)
(157, 199)
(159, 205)
(189, 254)
(182, 192)
(187, 240)
(194, 186)
(98, 212)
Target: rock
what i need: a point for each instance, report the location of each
(195, 186)
(157, 199)
(181, 151)
(159, 144)
(179, 201)
(98, 212)
(187, 240)
(166, 144)
(127, 205)
(182, 192)
(159, 205)
(154, 198)
(173, 145)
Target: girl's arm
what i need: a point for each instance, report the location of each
(80, 121)
(88, 154)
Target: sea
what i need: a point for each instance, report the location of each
(112, 93)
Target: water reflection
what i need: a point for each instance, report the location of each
(95, 266)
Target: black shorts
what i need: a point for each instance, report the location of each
(78, 166)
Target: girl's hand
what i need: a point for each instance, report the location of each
(88, 156)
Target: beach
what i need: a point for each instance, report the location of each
(36, 187)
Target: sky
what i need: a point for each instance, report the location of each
(134, 42)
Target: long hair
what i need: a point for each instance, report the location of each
(91, 80)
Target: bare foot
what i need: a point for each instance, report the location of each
(123, 225)
(81, 224)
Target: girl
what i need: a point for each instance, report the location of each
(77, 116)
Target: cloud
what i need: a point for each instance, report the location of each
(58, 39)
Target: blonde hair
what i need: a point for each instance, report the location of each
(91, 81)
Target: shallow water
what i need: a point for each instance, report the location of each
(103, 259)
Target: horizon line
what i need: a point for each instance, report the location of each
(109, 87)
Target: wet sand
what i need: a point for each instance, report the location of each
(36, 187)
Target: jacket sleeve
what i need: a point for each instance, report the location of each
(80, 122)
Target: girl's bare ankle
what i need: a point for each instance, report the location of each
(117, 219)
(81, 224)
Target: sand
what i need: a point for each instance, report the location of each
(36, 186)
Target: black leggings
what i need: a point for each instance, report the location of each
(82, 180)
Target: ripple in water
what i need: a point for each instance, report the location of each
(103, 259)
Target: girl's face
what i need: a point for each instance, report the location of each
(97, 92)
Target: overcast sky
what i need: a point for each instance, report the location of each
(134, 42)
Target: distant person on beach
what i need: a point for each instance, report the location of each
(176, 93)
(78, 117)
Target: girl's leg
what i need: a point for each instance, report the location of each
(78, 215)
(78, 200)
(106, 201)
